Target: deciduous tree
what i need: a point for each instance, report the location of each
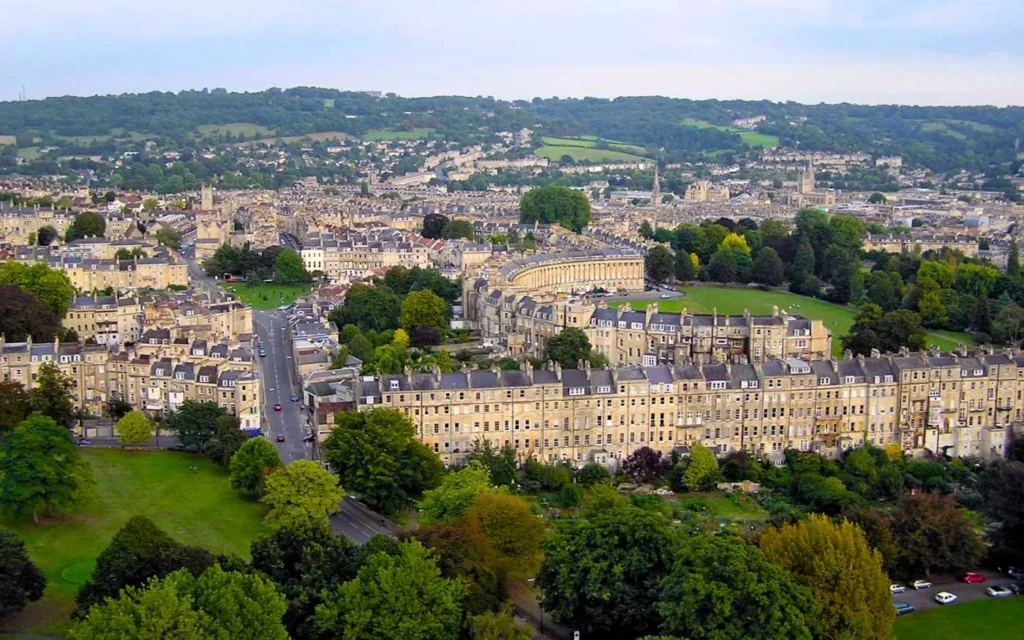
(510, 527)
(23, 316)
(931, 534)
(134, 428)
(568, 348)
(21, 581)
(424, 309)
(645, 465)
(14, 405)
(450, 500)
(701, 471)
(768, 268)
(195, 424)
(499, 625)
(300, 493)
(555, 205)
(254, 461)
(87, 224)
(659, 264)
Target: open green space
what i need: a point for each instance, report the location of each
(384, 134)
(187, 496)
(29, 153)
(753, 138)
(735, 507)
(990, 619)
(267, 295)
(732, 301)
(590, 141)
(581, 154)
(234, 128)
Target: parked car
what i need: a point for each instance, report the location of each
(263, 354)
(280, 437)
(277, 407)
(971, 578)
(83, 442)
(945, 597)
(308, 438)
(998, 592)
(1017, 588)
(1016, 574)
(903, 608)
(896, 588)
(921, 584)
(295, 398)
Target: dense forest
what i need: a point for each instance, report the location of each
(940, 138)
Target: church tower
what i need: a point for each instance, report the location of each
(206, 198)
(807, 179)
(656, 189)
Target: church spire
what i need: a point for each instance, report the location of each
(656, 189)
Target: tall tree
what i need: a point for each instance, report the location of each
(14, 405)
(510, 527)
(21, 581)
(1013, 261)
(49, 285)
(685, 270)
(195, 424)
(701, 470)
(645, 465)
(555, 205)
(433, 225)
(500, 463)
(726, 588)
(254, 461)
(46, 235)
(23, 316)
(450, 500)
(401, 596)
(300, 493)
(932, 534)
(52, 394)
(659, 264)
(568, 348)
(41, 468)
(455, 229)
(289, 268)
(845, 575)
(499, 625)
(424, 309)
(87, 224)
(377, 456)
(600, 570)
(768, 268)
(723, 267)
(226, 440)
(134, 428)
(138, 552)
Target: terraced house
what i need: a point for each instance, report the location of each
(960, 404)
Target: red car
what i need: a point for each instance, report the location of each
(280, 437)
(277, 407)
(970, 577)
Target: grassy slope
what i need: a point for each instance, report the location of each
(579, 154)
(978, 619)
(753, 138)
(234, 128)
(733, 301)
(276, 294)
(590, 141)
(195, 507)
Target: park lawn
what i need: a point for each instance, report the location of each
(732, 301)
(267, 295)
(234, 128)
(744, 508)
(589, 142)
(990, 618)
(384, 134)
(753, 138)
(196, 507)
(554, 153)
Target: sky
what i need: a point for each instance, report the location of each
(938, 52)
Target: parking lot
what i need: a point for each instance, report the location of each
(924, 599)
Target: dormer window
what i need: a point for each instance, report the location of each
(822, 380)
(718, 384)
(393, 385)
(979, 372)
(204, 378)
(848, 380)
(888, 378)
(180, 375)
(604, 389)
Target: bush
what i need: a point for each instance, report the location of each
(570, 496)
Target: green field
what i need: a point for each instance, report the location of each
(29, 153)
(267, 295)
(383, 134)
(195, 507)
(590, 141)
(990, 619)
(744, 508)
(581, 154)
(234, 128)
(733, 301)
(753, 138)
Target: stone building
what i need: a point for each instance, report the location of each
(706, 191)
(959, 404)
(106, 320)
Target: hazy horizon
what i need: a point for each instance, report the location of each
(950, 52)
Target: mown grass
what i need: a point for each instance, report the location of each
(990, 618)
(383, 134)
(267, 295)
(753, 138)
(234, 128)
(187, 496)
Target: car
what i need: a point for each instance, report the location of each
(921, 584)
(260, 345)
(664, 295)
(280, 437)
(896, 588)
(308, 438)
(1016, 574)
(277, 407)
(945, 597)
(998, 592)
(903, 608)
(83, 442)
(1017, 588)
(971, 578)
(295, 398)
(263, 354)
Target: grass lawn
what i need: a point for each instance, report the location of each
(741, 508)
(989, 618)
(580, 154)
(234, 128)
(267, 295)
(29, 153)
(195, 507)
(383, 134)
(589, 142)
(733, 301)
(753, 138)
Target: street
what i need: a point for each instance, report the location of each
(925, 598)
(277, 378)
(358, 523)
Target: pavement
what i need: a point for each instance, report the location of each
(924, 599)
(359, 523)
(197, 277)
(279, 383)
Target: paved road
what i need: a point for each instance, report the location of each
(925, 598)
(198, 278)
(278, 380)
(358, 523)
(165, 441)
